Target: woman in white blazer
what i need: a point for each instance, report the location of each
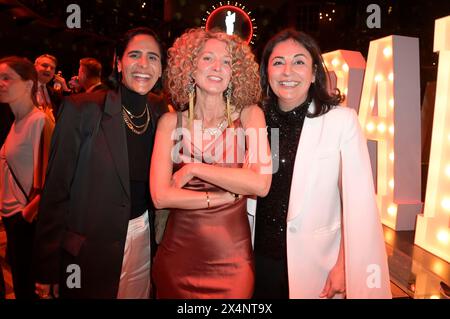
(318, 233)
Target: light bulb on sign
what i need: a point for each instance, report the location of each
(446, 204)
(392, 210)
(391, 183)
(370, 127)
(335, 62)
(378, 78)
(387, 51)
(381, 127)
(443, 237)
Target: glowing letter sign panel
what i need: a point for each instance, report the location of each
(390, 115)
(433, 227)
(348, 70)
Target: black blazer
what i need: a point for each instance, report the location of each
(85, 204)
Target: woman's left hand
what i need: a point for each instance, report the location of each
(182, 176)
(335, 283)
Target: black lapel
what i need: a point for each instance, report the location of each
(114, 129)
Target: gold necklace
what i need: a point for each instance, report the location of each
(131, 115)
(135, 128)
(214, 131)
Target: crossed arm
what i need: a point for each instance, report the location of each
(166, 187)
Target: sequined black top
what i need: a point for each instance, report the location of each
(270, 230)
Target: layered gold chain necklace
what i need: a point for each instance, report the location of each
(128, 119)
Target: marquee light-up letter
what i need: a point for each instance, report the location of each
(389, 114)
(433, 227)
(348, 70)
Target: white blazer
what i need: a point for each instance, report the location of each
(332, 174)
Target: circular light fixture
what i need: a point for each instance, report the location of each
(231, 18)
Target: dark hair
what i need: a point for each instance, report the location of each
(318, 90)
(25, 69)
(115, 78)
(92, 67)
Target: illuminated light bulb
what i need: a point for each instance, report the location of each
(447, 170)
(438, 267)
(378, 78)
(345, 67)
(443, 237)
(329, 19)
(391, 156)
(391, 183)
(370, 127)
(391, 129)
(372, 103)
(434, 297)
(446, 204)
(333, 11)
(335, 62)
(391, 76)
(392, 210)
(326, 14)
(346, 91)
(391, 103)
(388, 237)
(381, 127)
(387, 51)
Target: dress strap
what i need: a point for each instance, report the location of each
(179, 127)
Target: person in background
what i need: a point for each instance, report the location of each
(51, 86)
(318, 233)
(89, 78)
(23, 162)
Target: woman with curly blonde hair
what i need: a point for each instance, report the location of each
(208, 157)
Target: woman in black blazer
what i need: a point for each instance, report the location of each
(93, 233)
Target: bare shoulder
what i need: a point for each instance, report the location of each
(252, 115)
(167, 121)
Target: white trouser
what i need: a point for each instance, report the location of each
(135, 276)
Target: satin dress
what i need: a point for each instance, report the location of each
(207, 253)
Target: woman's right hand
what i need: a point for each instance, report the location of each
(44, 291)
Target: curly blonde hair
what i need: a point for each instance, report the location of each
(182, 62)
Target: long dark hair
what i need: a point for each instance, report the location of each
(25, 69)
(318, 91)
(116, 77)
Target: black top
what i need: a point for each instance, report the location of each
(270, 234)
(139, 153)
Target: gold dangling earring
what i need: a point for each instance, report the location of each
(228, 107)
(191, 101)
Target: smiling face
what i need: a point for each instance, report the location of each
(141, 64)
(290, 72)
(45, 68)
(213, 72)
(12, 87)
